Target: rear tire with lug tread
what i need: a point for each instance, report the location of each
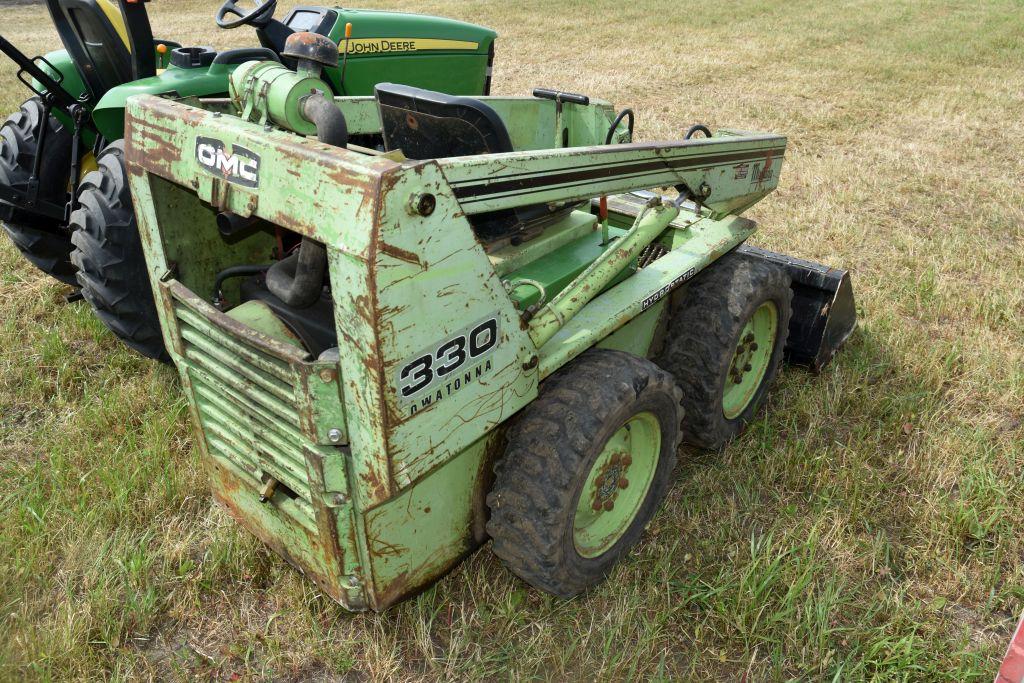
(587, 465)
(108, 254)
(724, 345)
(44, 242)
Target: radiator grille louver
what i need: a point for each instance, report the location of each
(246, 399)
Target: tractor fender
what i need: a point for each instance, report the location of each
(62, 68)
(175, 82)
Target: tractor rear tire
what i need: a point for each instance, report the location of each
(43, 241)
(586, 467)
(108, 254)
(724, 345)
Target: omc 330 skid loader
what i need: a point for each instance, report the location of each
(410, 323)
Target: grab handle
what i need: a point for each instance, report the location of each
(559, 96)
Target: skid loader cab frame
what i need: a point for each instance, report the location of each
(110, 42)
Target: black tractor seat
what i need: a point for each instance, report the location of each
(425, 124)
(104, 59)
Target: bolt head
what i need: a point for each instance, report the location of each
(334, 435)
(423, 204)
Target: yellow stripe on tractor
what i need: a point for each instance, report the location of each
(113, 12)
(362, 46)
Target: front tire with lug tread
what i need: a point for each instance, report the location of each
(108, 254)
(724, 345)
(586, 467)
(43, 241)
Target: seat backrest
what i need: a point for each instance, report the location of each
(110, 41)
(424, 124)
(431, 125)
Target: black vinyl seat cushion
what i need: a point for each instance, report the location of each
(425, 124)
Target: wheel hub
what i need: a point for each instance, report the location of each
(741, 361)
(750, 361)
(617, 485)
(610, 480)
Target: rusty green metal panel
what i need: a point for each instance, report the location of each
(737, 172)
(432, 268)
(426, 529)
(639, 334)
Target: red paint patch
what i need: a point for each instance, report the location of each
(1012, 668)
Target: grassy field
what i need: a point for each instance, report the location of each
(868, 527)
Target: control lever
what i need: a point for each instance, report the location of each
(561, 131)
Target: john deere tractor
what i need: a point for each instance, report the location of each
(410, 323)
(64, 198)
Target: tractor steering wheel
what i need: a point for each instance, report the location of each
(257, 16)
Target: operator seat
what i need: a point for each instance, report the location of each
(110, 41)
(425, 124)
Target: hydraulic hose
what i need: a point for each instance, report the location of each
(234, 271)
(697, 128)
(627, 112)
(299, 279)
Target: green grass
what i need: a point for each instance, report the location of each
(868, 527)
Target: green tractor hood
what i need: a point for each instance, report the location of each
(428, 52)
(431, 52)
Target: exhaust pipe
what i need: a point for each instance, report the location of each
(299, 279)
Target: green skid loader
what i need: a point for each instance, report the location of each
(64, 199)
(474, 323)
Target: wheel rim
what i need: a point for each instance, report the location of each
(750, 361)
(617, 485)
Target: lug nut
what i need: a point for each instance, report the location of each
(623, 482)
(608, 505)
(753, 347)
(746, 368)
(627, 460)
(597, 505)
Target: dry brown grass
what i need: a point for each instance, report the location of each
(868, 527)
